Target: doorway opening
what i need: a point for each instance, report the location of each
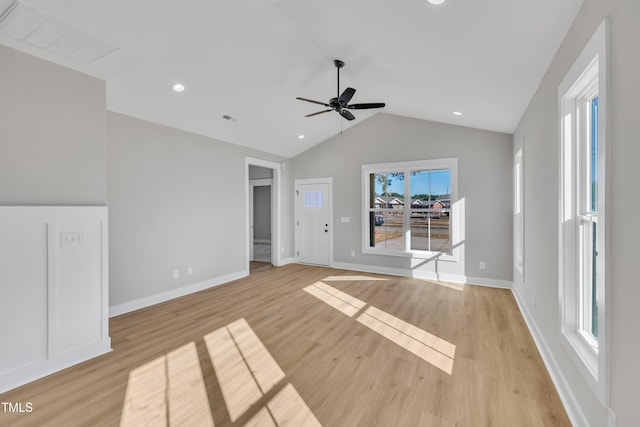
(262, 196)
(260, 182)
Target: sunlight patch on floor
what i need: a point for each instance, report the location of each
(423, 351)
(342, 302)
(430, 348)
(450, 285)
(430, 340)
(246, 372)
(169, 391)
(288, 409)
(239, 389)
(351, 278)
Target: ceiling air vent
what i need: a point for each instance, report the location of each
(31, 26)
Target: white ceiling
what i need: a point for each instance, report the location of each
(250, 59)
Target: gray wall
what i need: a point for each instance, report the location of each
(52, 134)
(257, 172)
(262, 213)
(484, 182)
(176, 200)
(539, 128)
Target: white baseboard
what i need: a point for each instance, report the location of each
(137, 304)
(285, 261)
(454, 278)
(575, 413)
(492, 283)
(26, 374)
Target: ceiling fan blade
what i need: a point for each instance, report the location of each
(366, 106)
(347, 114)
(319, 112)
(315, 102)
(346, 96)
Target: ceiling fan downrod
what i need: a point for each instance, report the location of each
(339, 64)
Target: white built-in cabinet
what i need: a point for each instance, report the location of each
(54, 308)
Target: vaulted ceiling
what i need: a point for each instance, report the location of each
(250, 59)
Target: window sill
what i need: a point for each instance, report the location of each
(585, 359)
(416, 254)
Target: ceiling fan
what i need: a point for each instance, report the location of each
(340, 103)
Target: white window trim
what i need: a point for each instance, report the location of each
(591, 358)
(446, 163)
(518, 209)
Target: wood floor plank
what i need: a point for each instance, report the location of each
(343, 372)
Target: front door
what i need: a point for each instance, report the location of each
(312, 224)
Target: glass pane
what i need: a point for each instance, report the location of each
(594, 155)
(387, 204)
(387, 229)
(313, 198)
(429, 185)
(389, 190)
(372, 190)
(594, 294)
(430, 231)
(430, 210)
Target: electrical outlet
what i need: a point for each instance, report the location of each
(353, 253)
(533, 300)
(189, 271)
(176, 274)
(483, 265)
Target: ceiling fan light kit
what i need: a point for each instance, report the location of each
(340, 103)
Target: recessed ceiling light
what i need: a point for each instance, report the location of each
(436, 2)
(178, 87)
(300, 136)
(457, 113)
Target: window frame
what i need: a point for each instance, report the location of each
(450, 164)
(587, 78)
(518, 211)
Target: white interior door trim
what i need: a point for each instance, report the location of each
(307, 181)
(276, 209)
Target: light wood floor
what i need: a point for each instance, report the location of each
(259, 266)
(322, 357)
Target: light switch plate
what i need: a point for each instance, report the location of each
(71, 238)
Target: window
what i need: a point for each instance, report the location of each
(583, 273)
(518, 210)
(313, 198)
(408, 207)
